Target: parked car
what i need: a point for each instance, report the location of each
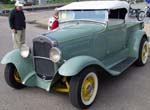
(92, 36)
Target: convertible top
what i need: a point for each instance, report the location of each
(90, 5)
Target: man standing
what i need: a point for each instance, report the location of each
(17, 25)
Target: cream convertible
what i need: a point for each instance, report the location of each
(93, 36)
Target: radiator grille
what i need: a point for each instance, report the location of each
(43, 66)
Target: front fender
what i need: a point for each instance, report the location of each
(74, 65)
(134, 42)
(23, 65)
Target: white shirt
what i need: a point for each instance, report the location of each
(50, 22)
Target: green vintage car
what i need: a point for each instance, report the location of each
(92, 36)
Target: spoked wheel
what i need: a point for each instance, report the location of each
(141, 16)
(143, 52)
(83, 88)
(12, 77)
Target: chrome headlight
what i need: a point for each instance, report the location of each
(24, 51)
(55, 54)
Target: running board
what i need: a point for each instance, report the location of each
(120, 67)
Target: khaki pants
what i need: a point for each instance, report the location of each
(18, 38)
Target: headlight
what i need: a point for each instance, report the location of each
(55, 54)
(24, 51)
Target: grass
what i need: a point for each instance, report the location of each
(60, 1)
(6, 6)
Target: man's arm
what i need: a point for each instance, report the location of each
(11, 20)
(24, 20)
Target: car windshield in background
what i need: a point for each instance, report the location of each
(94, 15)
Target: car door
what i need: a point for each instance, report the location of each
(115, 36)
(99, 46)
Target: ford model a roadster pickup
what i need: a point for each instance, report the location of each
(93, 36)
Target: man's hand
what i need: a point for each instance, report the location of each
(14, 30)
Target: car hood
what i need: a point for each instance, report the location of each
(72, 32)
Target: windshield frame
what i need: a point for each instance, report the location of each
(106, 12)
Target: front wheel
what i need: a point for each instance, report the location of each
(143, 52)
(141, 16)
(12, 77)
(83, 88)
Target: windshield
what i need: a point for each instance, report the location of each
(93, 15)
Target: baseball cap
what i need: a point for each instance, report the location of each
(18, 3)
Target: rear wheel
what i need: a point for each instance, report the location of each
(141, 16)
(143, 52)
(83, 88)
(12, 77)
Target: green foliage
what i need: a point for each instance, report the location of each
(60, 1)
(7, 1)
(6, 6)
